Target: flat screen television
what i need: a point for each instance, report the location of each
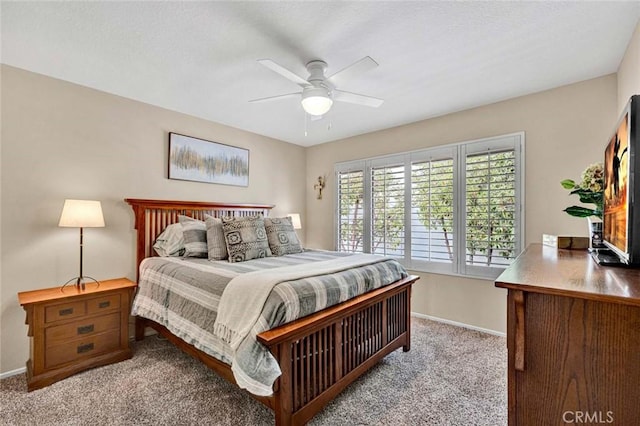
(621, 218)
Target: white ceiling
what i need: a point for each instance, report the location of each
(200, 58)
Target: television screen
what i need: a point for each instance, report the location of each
(616, 192)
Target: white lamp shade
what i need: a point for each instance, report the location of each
(295, 220)
(316, 100)
(81, 214)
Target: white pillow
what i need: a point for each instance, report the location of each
(170, 242)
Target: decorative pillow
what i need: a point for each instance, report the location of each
(216, 245)
(281, 236)
(195, 236)
(246, 238)
(170, 242)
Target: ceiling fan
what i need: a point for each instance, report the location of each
(319, 92)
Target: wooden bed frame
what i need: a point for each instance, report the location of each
(320, 354)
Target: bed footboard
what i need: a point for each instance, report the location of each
(321, 354)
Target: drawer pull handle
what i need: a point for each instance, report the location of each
(64, 312)
(85, 348)
(104, 304)
(85, 329)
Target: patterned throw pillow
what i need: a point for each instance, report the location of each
(281, 236)
(195, 237)
(216, 245)
(170, 242)
(246, 238)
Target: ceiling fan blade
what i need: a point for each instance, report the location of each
(284, 72)
(363, 65)
(275, 98)
(354, 98)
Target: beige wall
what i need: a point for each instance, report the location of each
(61, 140)
(565, 130)
(629, 72)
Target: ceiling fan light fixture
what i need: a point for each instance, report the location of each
(316, 100)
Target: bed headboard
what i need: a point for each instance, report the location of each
(152, 216)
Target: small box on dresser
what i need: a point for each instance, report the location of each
(72, 330)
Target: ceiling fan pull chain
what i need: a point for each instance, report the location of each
(305, 124)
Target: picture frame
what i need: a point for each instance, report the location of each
(200, 160)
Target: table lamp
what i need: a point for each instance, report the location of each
(81, 214)
(295, 220)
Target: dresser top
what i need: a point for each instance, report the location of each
(573, 273)
(55, 293)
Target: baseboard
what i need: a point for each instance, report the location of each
(458, 324)
(13, 373)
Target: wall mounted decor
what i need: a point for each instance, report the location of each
(200, 160)
(319, 186)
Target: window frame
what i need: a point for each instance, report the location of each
(458, 152)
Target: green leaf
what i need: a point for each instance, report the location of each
(568, 184)
(580, 211)
(582, 192)
(588, 196)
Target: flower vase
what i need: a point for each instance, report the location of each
(595, 232)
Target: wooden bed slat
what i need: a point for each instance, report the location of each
(320, 354)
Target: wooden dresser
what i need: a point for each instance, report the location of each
(74, 330)
(573, 338)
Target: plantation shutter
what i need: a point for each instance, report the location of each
(432, 214)
(387, 210)
(454, 209)
(350, 211)
(490, 206)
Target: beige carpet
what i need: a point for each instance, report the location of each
(451, 376)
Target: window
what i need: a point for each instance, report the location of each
(454, 209)
(350, 208)
(432, 210)
(387, 210)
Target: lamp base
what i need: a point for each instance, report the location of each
(80, 282)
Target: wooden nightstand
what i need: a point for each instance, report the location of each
(72, 331)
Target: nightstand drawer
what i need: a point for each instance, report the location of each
(55, 335)
(103, 304)
(64, 311)
(82, 348)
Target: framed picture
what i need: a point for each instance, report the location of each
(200, 160)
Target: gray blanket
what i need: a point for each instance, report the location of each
(183, 295)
